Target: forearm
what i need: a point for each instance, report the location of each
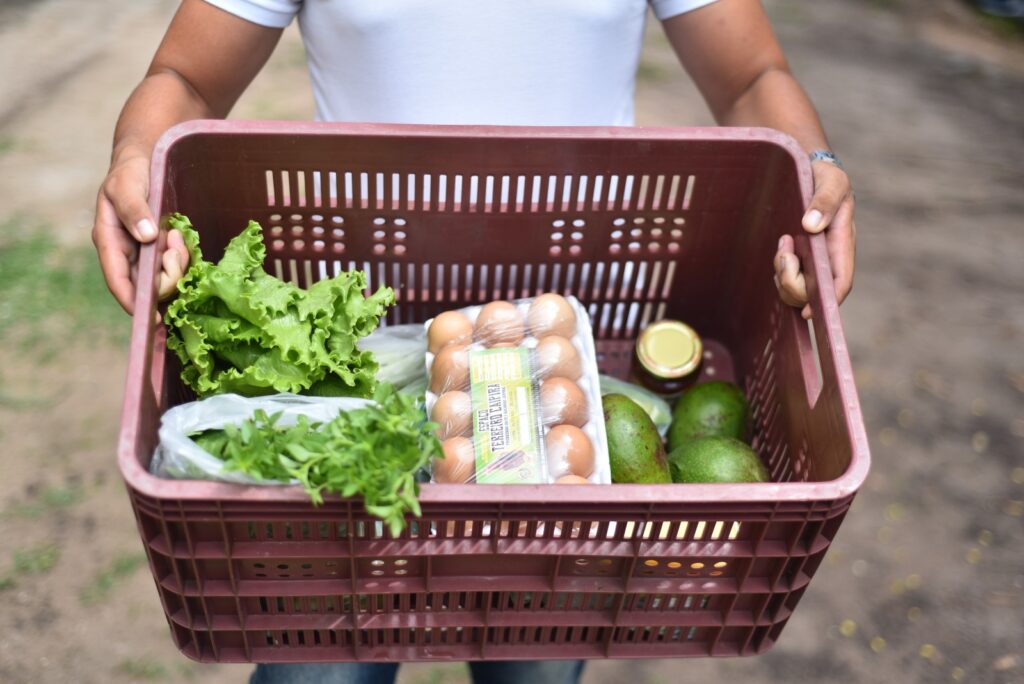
(162, 100)
(729, 49)
(776, 100)
(205, 61)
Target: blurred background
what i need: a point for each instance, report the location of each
(924, 101)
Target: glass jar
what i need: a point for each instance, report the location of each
(667, 357)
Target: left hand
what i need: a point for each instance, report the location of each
(831, 210)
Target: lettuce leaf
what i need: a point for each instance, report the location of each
(238, 329)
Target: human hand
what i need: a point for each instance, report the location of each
(831, 210)
(123, 220)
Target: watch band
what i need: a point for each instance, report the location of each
(826, 156)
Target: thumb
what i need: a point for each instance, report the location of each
(831, 186)
(792, 285)
(176, 242)
(171, 273)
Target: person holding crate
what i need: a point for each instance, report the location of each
(506, 62)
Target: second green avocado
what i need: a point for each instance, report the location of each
(714, 409)
(635, 451)
(716, 459)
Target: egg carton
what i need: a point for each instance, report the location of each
(514, 388)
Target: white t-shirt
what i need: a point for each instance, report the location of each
(528, 62)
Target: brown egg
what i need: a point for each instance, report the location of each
(562, 401)
(450, 327)
(572, 479)
(459, 462)
(453, 413)
(499, 323)
(551, 314)
(569, 451)
(557, 357)
(450, 370)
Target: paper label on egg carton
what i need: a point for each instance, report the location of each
(507, 431)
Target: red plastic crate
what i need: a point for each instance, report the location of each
(639, 224)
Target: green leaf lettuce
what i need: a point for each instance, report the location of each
(238, 329)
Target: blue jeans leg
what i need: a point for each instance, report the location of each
(526, 671)
(325, 673)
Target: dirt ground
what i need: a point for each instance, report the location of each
(925, 582)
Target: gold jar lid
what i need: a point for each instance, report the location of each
(669, 349)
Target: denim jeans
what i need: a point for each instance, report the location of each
(490, 672)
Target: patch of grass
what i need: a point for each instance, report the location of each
(7, 145)
(141, 668)
(188, 670)
(789, 12)
(441, 674)
(437, 676)
(1005, 27)
(16, 403)
(295, 56)
(103, 584)
(36, 560)
(51, 499)
(61, 497)
(50, 294)
(650, 73)
(32, 560)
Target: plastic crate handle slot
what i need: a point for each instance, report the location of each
(817, 337)
(806, 337)
(824, 343)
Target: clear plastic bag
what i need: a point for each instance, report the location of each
(513, 386)
(178, 457)
(656, 407)
(399, 351)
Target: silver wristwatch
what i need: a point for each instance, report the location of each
(826, 156)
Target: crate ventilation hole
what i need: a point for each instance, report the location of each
(478, 192)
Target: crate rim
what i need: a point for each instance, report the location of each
(179, 132)
(824, 306)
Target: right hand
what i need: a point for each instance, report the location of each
(123, 220)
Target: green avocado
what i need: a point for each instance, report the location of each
(716, 459)
(635, 450)
(714, 409)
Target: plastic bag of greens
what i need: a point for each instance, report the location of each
(416, 389)
(399, 350)
(184, 429)
(656, 407)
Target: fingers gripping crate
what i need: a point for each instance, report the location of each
(639, 224)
